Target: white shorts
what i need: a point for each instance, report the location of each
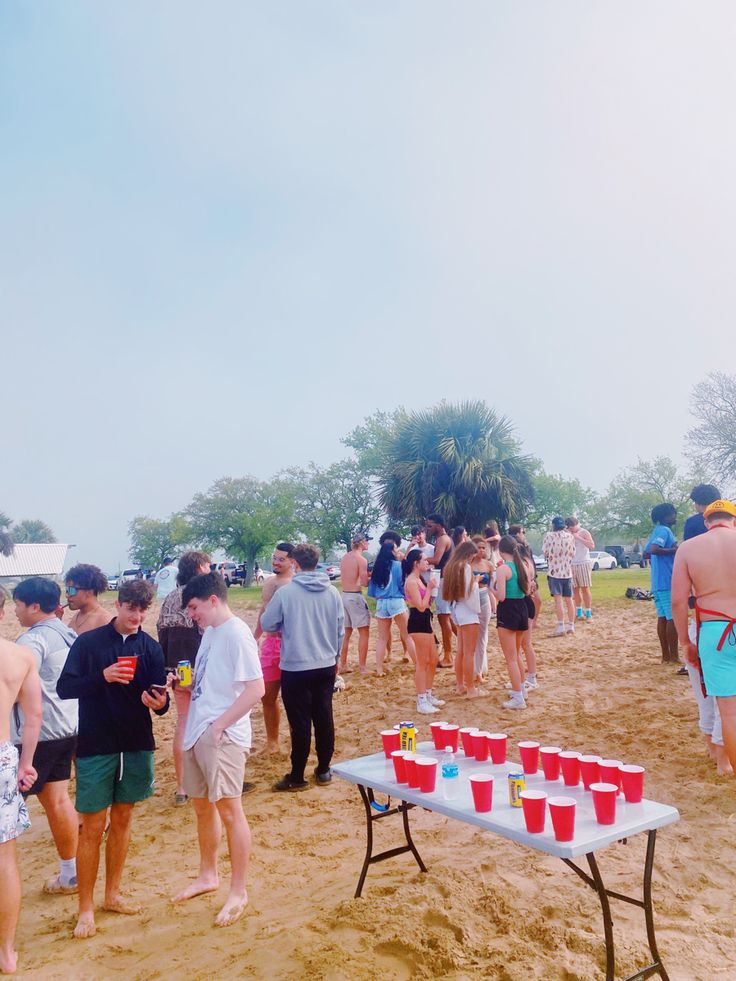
(442, 606)
(14, 818)
(357, 613)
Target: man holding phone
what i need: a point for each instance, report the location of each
(117, 672)
(228, 682)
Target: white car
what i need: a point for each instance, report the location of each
(602, 560)
(262, 575)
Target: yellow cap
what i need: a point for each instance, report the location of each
(720, 507)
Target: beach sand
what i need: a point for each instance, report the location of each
(486, 909)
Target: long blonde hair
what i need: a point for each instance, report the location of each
(454, 587)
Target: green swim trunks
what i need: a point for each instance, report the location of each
(115, 778)
(719, 667)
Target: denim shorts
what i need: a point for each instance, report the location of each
(559, 587)
(388, 608)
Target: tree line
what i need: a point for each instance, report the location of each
(460, 459)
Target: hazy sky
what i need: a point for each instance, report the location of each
(229, 231)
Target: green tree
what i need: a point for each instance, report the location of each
(331, 503)
(32, 531)
(370, 440)
(243, 516)
(624, 510)
(6, 540)
(153, 539)
(712, 442)
(459, 459)
(554, 494)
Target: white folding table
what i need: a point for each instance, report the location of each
(375, 773)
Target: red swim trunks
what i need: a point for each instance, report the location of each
(270, 655)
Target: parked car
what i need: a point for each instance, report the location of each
(128, 575)
(231, 572)
(602, 560)
(626, 557)
(262, 575)
(113, 581)
(333, 571)
(540, 563)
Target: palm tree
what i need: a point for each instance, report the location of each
(6, 542)
(32, 531)
(461, 460)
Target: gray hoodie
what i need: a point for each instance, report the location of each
(309, 614)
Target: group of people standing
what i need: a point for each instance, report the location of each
(81, 694)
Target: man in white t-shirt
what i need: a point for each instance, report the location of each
(165, 579)
(582, 581)
(227, 683)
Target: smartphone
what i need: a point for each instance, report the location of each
(157, 689)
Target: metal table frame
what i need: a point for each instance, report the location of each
(374, 811)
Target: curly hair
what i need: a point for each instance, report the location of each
(190, 564)
(85, 576)
(138, 593)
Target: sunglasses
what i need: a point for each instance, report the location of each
(71, 590)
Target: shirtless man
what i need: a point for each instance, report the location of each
(354, 577)
(19, 683)
(83, 584)
(706, 567)
(270, 653)
(435, 525)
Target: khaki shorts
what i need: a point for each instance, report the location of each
(581, 574)
(214, 771)
(357, 614)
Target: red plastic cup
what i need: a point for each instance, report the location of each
(481, 745)
(410, 768)
(391, 741)
(562, 812)
(529, 752)
(589, 770)
(466, 735)
(570, 766)
(550, 757)
(609, 772)
(604, 801)
(130, 661)
(438, 737)
(451, 736)
(399, 766)
(534, 805)
(632, 781)
(481, 785)
(427, 772)
(497, 743)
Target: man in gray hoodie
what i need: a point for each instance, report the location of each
(309, 615)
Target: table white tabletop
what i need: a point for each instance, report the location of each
(378, 773)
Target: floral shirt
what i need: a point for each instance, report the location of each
(559, 550)
(13, 813)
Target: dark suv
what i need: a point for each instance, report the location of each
(626, 557)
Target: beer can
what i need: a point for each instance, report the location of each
(184, 673)
(517, 783)
(407, 737)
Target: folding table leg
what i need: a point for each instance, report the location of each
(384, 812)
(607, 919)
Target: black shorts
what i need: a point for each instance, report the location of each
(420, 621)
(531, 608)
(513, 614)
(52, 761)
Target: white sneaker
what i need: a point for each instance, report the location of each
(424, 706)
(515, 703)
(570, 628)
(531, 685)
(437, 702)
(559, 630)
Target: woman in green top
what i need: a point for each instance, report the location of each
(512, 615)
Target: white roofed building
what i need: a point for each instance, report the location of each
(33, 560)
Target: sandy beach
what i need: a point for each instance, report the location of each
(486, 909)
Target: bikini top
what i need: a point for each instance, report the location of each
(484, 579)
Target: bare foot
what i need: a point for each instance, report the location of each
(476, 693)
(8, 960)
(363, 670)
(197, 888)
(85, 926)
(461, 691)
(344, 669)
(117, 904)
(231, 911)
(270, 749)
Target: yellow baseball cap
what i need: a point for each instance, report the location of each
(720, 507)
